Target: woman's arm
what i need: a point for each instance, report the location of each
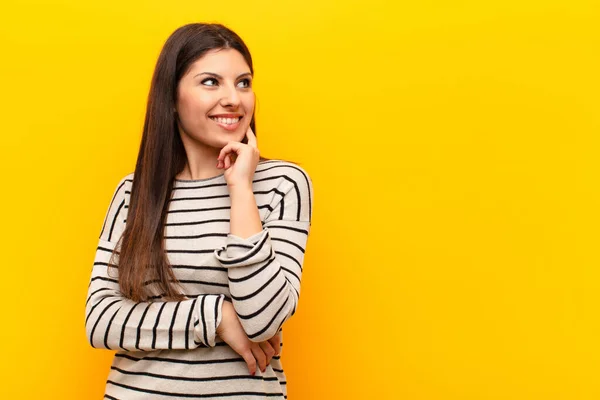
(113, 321)
(245, 218)
(265, 268)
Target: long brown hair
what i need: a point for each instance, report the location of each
(142, 259)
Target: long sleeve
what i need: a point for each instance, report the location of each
(113, 321)
(265, 269)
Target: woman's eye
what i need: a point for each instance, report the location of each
(246, 82)
(209, 80)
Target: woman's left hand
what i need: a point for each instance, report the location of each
(240, 170)
(271, 347)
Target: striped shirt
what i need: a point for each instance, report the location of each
(169, 349)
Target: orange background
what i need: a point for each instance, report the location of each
(453, 148)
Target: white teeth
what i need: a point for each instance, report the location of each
(226, 121)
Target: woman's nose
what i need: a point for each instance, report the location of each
(230, 97)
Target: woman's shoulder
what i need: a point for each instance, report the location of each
(288, 170)
(122, 190)
(116, 214)
(293, 180)
(128, 179)
(125, 182)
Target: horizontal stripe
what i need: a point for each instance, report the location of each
(208, 379)
(192, 395)
(197, 210)
(198, 236)
(199, 268)
(181, 361)
(105, 249)
(188, 223)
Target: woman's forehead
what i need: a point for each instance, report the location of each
(224, 62)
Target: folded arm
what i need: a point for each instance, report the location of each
(265, 269)
(113, 321)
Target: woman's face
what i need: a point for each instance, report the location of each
(215, 100)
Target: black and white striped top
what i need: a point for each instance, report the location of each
(169, 349)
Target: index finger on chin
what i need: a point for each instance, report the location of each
(251, 137)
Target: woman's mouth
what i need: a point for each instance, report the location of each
(229, 124)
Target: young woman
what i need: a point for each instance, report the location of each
(200, 256)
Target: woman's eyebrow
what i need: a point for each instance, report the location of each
(220, 77)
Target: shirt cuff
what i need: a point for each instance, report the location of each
(239, 252)
(209, 317)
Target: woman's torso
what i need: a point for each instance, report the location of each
(197, 224)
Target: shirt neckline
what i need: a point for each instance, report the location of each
(190, 183)
(199, 180)
(214, 178)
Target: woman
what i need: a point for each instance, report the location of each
(200, 256)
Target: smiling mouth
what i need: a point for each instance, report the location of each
(227, 124)
(226, 121)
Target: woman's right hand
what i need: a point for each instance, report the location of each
(231, 331)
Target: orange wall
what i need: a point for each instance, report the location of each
(453, 148)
